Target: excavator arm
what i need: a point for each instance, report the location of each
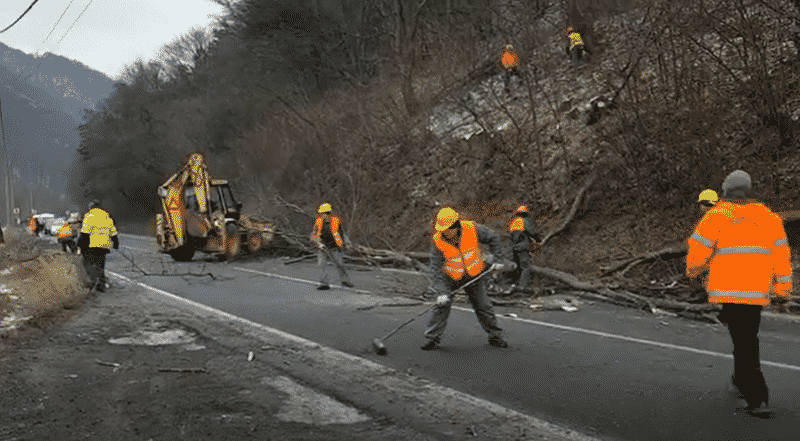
(192, 175)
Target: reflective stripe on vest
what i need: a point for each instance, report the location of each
(746, 297)
(468, 258)
(744, 250)
(784, 279)
(334, 230)
(517, 225)
(780, 242)
(702, 240)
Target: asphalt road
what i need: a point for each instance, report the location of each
(609, 372)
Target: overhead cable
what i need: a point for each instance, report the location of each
(20, 17)
(76, 20)
(59, 21)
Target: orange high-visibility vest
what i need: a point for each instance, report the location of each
(65, 231)
(517, 225)
(467, 258)
(574, 39)
(744, 248)
(509, 59)
(32, 224)
(334, 230)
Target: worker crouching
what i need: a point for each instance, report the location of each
(330, 240)
(98, 234)
(456, 259)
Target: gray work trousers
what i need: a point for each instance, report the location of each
(334, 255)
(523, 261)
(480, 303)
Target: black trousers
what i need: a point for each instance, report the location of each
(94, 260)
(743, 322)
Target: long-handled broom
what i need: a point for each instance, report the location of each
(380, 347)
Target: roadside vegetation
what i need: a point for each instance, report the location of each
(299, 103)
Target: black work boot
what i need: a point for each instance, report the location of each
(430, 345)
(324, 286)
(498, 342)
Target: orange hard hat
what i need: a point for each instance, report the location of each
(446, 218)
(522, 209)
(568, 29)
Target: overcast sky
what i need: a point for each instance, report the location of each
(109, 35)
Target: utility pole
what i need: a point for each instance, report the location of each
(5, 162)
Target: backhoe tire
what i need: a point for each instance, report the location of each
(254, 242)
(233, 242)
(182, 254)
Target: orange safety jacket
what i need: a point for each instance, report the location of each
(334, 230)
(65, 232)
(467, 258)
(517, 225)
(574, 39)
(744, 249)
(509, 59)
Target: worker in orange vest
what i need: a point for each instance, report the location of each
(456, 258)
(743, 247)
(509, 64)
(522, 231)
(67, 233)
(576, 48)
(330, 239)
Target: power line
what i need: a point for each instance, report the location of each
(76, 20)
(20, 17)
(59, 21)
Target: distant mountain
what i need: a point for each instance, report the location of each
(43, 98)
(74, 84)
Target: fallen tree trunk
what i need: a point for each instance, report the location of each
(572, 210)
(635, 260)
(628, 298)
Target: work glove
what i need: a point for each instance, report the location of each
(442, 300)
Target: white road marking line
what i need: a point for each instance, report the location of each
(562, 327)
(293, 279)
(381, 369)
(639, 340)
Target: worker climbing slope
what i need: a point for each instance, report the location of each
(330, 240)
(509, 64)
(457, 258)
(576, 48)
(98, 234)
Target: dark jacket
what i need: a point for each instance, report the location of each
(520, 239)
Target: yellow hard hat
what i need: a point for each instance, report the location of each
(446, 218)
(708, 195)
(522, 209)
(324, 208)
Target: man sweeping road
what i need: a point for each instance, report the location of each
(456, 257)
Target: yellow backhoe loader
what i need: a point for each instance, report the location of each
(200, 214)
